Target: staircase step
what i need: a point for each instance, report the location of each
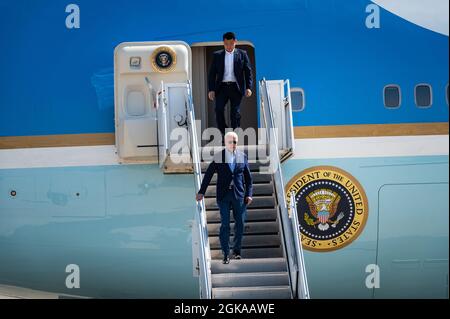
(274, 292)
(249, 228)
(258, 190)
(250, 279)
(250, 241)
(258, 202)
(264, 214)
(249, 265)
(248, 253)
(255, 166)
(256, 177)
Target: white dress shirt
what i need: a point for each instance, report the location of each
(228, 74)
(230, 159)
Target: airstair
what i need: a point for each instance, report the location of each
(272, 266)
(156, 123)
(263, 273)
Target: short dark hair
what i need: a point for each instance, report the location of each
(229, 36)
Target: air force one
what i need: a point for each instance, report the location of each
(351, 115)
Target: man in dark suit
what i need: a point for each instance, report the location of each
(234, 188)
(230, 78)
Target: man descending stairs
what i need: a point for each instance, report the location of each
(262, 272)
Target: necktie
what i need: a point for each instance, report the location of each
(233, 162)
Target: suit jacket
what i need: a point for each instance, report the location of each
(241, 176)
(242, 71)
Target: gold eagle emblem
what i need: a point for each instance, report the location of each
(323, 204)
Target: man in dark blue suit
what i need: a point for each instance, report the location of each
(230, 78)
(234, 188)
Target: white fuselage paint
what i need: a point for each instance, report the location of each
(429, 14)
(312, 148)
(391, 146)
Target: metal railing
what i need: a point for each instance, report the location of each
(302, 280)
(161, 109)
(204, 262)
(291, 239)
(289, 121)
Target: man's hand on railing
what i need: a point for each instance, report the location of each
(199, 197)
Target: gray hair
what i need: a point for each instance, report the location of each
(232, 134)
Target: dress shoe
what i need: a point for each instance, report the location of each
(237, 255)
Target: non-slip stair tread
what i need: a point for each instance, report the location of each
(248, 265)
(270, 227)
(251, 253)
(258, 190)
(258, 214)
(259, 279)
(250, 241)
(258, 202)
(256, 177)
(254, 166)
(253, 288)
(271, 292)
(250, 274)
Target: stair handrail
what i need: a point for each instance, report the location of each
(204, 262)
(289, 118)
(272, 148)
(161, 109)
(287, 232)
(302, 279)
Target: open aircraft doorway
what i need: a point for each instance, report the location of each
(202, 54)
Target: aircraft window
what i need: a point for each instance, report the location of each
(392, 96)
(297, 99)
(423, 95)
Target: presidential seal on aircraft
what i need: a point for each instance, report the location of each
(332, 207)
(164, 59)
